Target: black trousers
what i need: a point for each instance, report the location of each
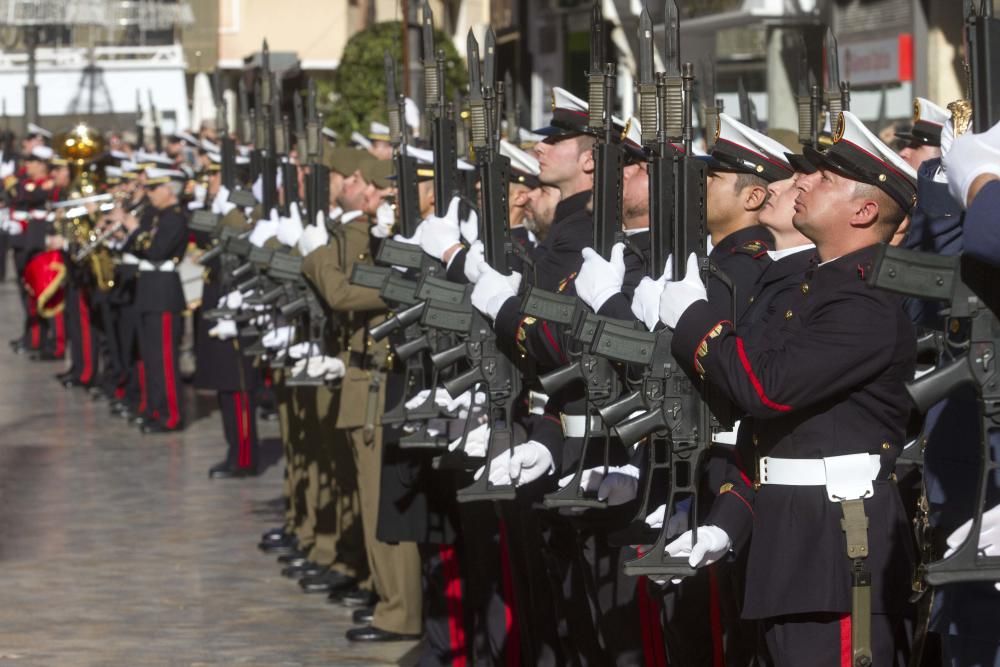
(824, 640)
(112, 375)
(159, 345)
(239, 424)
(82, 335)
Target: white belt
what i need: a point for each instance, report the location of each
(536, 402)
(575, 426)
(130, 259)
(845, 477)
(146, 265)
(20, 216)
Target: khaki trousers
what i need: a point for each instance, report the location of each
(395, 568)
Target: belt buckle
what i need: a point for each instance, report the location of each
(757, 483)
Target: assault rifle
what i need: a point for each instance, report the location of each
(675, 416)
(441, 117)
(965, 284)
(982, 36)
(597, 374)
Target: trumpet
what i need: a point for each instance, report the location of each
(85, 251)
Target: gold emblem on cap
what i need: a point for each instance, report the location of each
(841, 126)
(553, 100)
(881, 178)
(961, 116)
(628, 126)
(718, 128)
(916, 109)
(760, 168)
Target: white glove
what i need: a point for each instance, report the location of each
(303, 350)
(291, 230)
(971, 156)
(470, 227)
(989, 536)
(474, 261)
(476, 442)
(499, 470)
(265, 229)
(418, 400)
(713, 543)
(439, 234)
(590, 480)
(233, 300)
(314, 236)
(620, 486)
(678, 296)
(258, 189)
(646, 301)
(491, 291)
(6, 169)
(463, 401)
(646, 298)
(221, 205)
(385, 218)
(14, 228)
(224, 330)
(598, 279)
(412, 240)
(276, 338)
(529, 462)
(199, 193)
(678, 521)
(328, 368)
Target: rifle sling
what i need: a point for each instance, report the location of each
(855, 527)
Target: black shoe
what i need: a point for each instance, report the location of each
(291, 558)
(219, 470)
(305, 569)
(267, 414)
(71, 382)
(286, 546)
(363, 616)
(45, 355)
(157, 427)
(62, 377)
(370, 633)
(353, 597)
(326, 581)
(275, 532)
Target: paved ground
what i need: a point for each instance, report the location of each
(117, 550)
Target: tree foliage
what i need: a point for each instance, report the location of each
(356, 94)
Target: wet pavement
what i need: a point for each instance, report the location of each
(116, 548)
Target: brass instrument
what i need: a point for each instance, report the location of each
(81, 145)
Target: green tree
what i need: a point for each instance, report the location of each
(356, 94)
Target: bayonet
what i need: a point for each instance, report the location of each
(834, 86)
(672, 111)
(477, 107)
(392, 106)
(157, 134)
(646, 83)
(595, 77)
(246, 126)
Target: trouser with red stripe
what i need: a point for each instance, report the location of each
(239, 424)
(159, 344)
(470, 615)
(112, 372)
(824, 640)
(82, 336)
(133, 380)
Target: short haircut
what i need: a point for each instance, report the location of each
(747, 180)
(585, 142)
(890, 213)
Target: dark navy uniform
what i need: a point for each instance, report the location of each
(965, 615)
(159, 301)
(822, 378)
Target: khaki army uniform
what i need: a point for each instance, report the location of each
(395, 568)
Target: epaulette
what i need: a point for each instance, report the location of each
(755, 249)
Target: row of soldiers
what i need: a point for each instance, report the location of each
(496, 380)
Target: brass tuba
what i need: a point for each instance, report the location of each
(81, 146)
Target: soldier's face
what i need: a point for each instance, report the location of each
(425, 193)
(635, 193)
(353, 192)
(541, 208)
(723, 199)
(382, 150)
(916, 154)
(35, 169)
(562, 160)
(336, 186)
(160, 195)
(60, 176)
(824, 204)
(780, 207)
